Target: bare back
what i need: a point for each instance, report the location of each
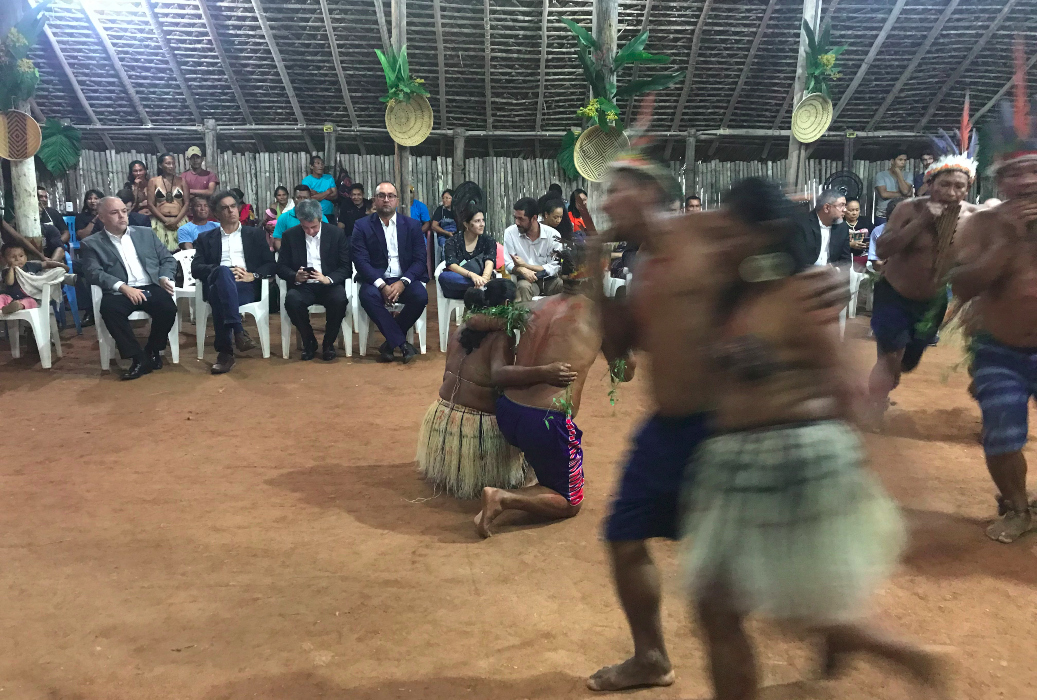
(466, 380)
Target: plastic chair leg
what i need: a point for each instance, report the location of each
(41, 331)
(14, 335)
(201, 316)
(55, 337)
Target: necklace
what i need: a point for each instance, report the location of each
(168, 194)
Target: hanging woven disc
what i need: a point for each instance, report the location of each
(20, 135)
(811, 118)
(409, 123)
(596, 148)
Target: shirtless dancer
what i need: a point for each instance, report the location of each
(911, 299)
(562, 328)
(997, 256)
(669, 316)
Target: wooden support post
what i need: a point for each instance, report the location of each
(848, 151)
(330, 149)
(795, 171)
(399, 40)
(690, 185)
(457, 176)
(23, 183)
(606, 32)
(212, 153)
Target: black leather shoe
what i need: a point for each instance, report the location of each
(224, 362)
(308, 352)
(409, 351)
(385, 352)
(156, 359)
(328, 354)
(243, 342)
(140, 366)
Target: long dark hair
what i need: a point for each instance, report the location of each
(162, 158)
(497, 292)
(129, 173)
(100, 195)
(572, 201)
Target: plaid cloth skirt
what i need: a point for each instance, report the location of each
(790, 522)
(462, 450)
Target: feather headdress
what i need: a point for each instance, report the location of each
(1012, 137)
(960, 156)
(638, 159)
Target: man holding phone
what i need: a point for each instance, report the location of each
(529, 253)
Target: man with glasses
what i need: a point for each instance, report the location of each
(821, 236)
(390, 258)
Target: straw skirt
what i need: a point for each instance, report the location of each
(169, 236)
(462, 450)
(790, 522)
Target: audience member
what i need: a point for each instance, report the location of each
(86, 220)
(820, 236)
(198, 223)
(891, 184)
(228, 263)
(246, 213)
(352, 208)
(280, 205)
(289, 219)
(137, 183)
(552, 211)
(390, 257)
(419, 212)
(135, 272)
(858, 229)
(314, 261)
(168, 201)
(692, 204)
(22, 279)
(555, 191)
(443, 222)
(578, 201)
(136, 218)
(470, 256)
(322, 187)
(198, 180)
(51, 216)
(921, 186)
(873, 257)
(529, 253)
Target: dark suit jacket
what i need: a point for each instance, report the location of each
(102, 264)
(208, 253)
(334, 254)
(371, 254)
(806, 242)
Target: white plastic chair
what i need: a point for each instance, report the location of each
(107, 343)
(185, 257)
(44, 328)
(363, 327)
(446, 308)
(260, 310)
(345, 337)
(855, 286)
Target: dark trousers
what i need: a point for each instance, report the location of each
(225, 295)
(116, 310)
(414, 299)
(454, 285)
(332, 297)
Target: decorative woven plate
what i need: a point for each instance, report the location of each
(409, 123)
(596, 148)
(811, 118)
(20, 135)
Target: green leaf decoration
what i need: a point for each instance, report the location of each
(60, 147)
(582, 34)
(18, 74)
(811, 41)
(566, 157)
(397, 76)
(821, 59)
(659, 82)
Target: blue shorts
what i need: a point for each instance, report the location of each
(648, 501)
(895, 321)
(1005, 378)
(549, 441)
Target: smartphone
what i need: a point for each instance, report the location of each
(146, 293)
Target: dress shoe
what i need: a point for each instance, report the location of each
(156, 359)
(409, 351)
(308, 352)
(86, 319)
(224, 361)
(140, 366)
(243, 341)
(328, 354)
(385, 352)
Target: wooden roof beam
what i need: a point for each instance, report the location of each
(870, 58)
(745, 71)
(70, 76)
(543, 65)
(486, 44)
(1000, 93)
(383, 28)
(95, 24)
(913, 64)
(973, 52)
(222, 55)
(167, 49)
(633, 73)
(440, 54)
(693, 56)
(341, 73)
(271, 43)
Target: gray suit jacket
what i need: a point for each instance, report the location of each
(102, 264)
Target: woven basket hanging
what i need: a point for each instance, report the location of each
(409, 123)
(596, 148)
(20, 135)
(811, 118)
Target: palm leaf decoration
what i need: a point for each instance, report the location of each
(60, 149)
(821, 60)
(18, 74)
(397, 76)
(566, 157)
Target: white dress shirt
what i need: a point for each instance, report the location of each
(135, 275)
(232, 251)
(313, 254)
(872, 255)
(539, 252)
(826, 237)
(392, 245)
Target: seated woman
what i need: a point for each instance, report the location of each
(577, 208)
(460, 447)
(470, 258)
(167, 202)
(860, 229)
(246, 214)
(86, 220)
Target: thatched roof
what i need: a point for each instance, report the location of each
(300, 35)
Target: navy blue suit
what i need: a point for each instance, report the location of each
(371, 259)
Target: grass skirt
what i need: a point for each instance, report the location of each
(462, 450)
(169, 237)
(790, 522)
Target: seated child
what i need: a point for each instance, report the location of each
(34, 274)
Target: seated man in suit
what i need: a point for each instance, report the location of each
(821, 237)
(135, 271)
(315, 263)
(390, 257)
(228, 262)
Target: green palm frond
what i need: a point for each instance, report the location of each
(60, 149)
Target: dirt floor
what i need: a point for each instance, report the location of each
(264, 534)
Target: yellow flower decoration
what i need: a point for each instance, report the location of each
(420, 81)
(25, 66)
(827, 60)
(15, 39)
(611, 116)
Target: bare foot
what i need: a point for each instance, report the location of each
(632, 673)
(12, 307)
(1011, 527)
(491, 508)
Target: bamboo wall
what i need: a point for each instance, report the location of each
(504, 179)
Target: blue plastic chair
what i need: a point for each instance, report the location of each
(71, 301)
(73, 239)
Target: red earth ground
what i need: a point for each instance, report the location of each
(264, 534)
